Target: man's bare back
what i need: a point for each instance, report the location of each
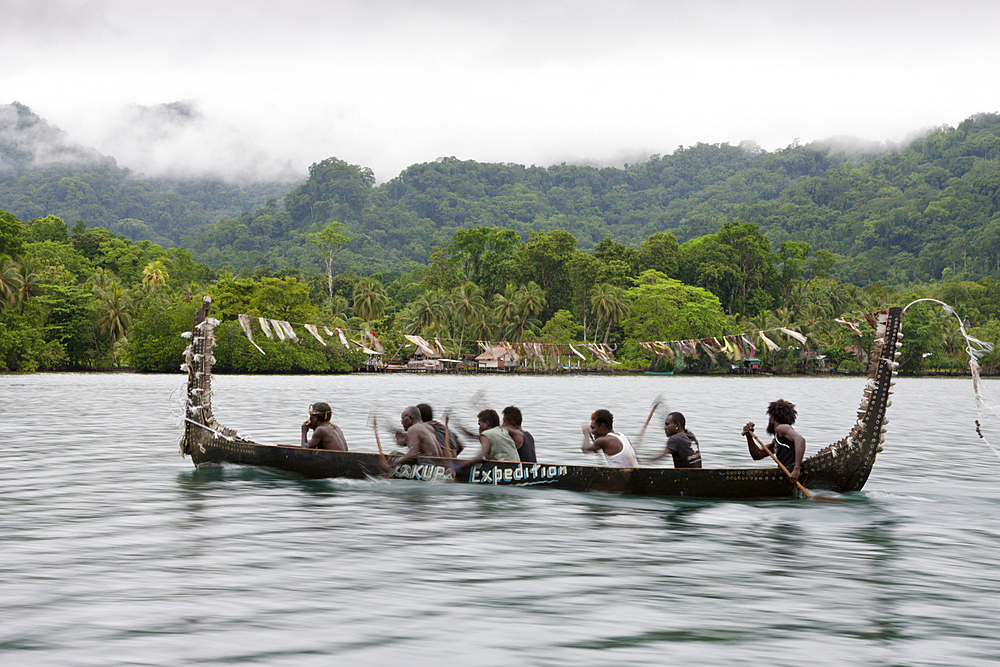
(326, 435)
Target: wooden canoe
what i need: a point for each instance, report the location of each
(841, 467)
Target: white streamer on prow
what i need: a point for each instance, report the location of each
(976, 349)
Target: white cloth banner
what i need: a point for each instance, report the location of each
(311, 328)
(278, 331)
(288, 329)
(343, 338)
(245, 325)
(265, 328)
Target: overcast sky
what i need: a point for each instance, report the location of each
(272, 85)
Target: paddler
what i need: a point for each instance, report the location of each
(495, 443)
(599, 437)
(418, 436)
(682, 445)
(786, 444)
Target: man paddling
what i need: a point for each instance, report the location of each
(495, 443)
(418, 436)
(325, 434)
(598, 437)
(523, 440)
(787, 444)
(427, 415)
(681, 443)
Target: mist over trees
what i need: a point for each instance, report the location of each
(42, 173)
(906, 215)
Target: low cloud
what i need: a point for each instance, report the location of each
(177, 140)
(28, 142)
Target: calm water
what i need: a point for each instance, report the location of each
(116, 551)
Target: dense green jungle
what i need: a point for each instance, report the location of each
(101, 268)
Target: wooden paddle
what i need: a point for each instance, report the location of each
(378, 441)
(656, 404)
(783, 468)
(447, 441)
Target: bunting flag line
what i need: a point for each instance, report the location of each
(245, 325)
(311, 328)
(288, 329)
(732, 346)
(375, 344)
(600, 353)
(364, 348)
(265, 328)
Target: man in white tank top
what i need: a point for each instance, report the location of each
(598, 437)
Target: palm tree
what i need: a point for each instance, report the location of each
(618, 308)
(8, 281)
(339, 307)
(27, 282)
(529, 301)
(370, 299)
(601, 303)
(423, 313)
(155, 274)
(115, 304)
(505, 309)
(469, 305)
(100, 281)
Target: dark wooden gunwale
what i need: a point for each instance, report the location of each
(841, 467)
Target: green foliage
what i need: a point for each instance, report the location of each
(21, 342)
(667, 309)
(284, 299)
(71, 325)
(11, 234)
(49, 228)
(561, 328)
(155, 344)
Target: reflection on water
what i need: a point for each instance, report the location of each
(117, 551)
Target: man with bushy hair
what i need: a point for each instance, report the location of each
(786, 444)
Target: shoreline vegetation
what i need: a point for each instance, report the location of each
(689, 263)
(86, 299)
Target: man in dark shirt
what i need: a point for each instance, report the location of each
(681, 443)
(427, 414)
(523, 440)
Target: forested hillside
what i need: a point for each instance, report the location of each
(916, 213)
(42, 173)
(899, 215)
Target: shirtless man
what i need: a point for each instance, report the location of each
(418, 436)
(598, 437)
(523, 440)
(325, 435)
(787, 445)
